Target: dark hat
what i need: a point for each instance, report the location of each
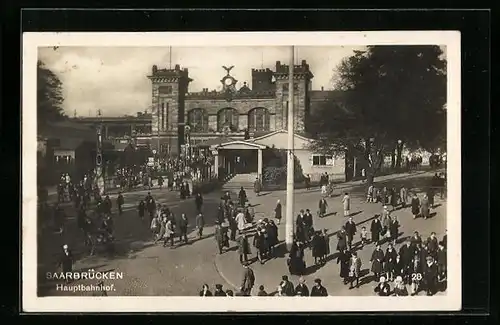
(318, 281)
(284, 278)
(218, 286)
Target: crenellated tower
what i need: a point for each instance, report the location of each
(169, 88)
(302, 81)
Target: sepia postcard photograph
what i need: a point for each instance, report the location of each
(294, 171)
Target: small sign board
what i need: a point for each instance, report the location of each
(151, 161)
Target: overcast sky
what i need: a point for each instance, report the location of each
(114, 79)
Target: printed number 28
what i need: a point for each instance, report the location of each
(416, 276)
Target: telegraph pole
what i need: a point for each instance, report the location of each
(99, 170)
(158, 127)
(290, 163)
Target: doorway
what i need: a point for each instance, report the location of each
(243, 161)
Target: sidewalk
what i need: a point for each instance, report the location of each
(270, 273)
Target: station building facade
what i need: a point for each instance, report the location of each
(240, 121)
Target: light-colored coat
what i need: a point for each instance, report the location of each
(355, 267)
(347, 202)
(240, 221)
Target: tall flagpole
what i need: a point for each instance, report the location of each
(290, 163)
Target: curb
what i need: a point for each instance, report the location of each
(217, 269)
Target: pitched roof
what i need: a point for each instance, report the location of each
(215, 141)
(278, 132)
(67, 129)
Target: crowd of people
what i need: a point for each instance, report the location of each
(418, 264)
(285, 288)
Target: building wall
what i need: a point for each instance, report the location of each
(336, 172)
(242, 106)
(279, 140)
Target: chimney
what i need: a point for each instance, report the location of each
(177, 67)
(278, 63)
(303, 63)
(322, 89)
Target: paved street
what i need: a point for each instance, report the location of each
(148, 269)
(154, 270)
(270, 273)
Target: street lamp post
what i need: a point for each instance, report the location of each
(99, 170)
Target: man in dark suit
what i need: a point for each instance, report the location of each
(376, 229)
(287, 287)
(66, 261)
(318, 290)
(350, 229)
(248, 280)
(430, 276)
(301, 289)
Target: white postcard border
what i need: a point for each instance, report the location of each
(31, 303)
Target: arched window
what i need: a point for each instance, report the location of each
(198, 120)
(227, 117)
(258, 120)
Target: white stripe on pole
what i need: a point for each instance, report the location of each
(290, 163)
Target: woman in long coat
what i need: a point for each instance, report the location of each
(342, 240)
(343, 259)
(376, 229)
(424, 207)
(394, 198)
(257, 186)
(242, 197)
(259, 244)
(394, 229)
(322, 207)
(277, 212)
(326, 238)
(386, 222)
(240, 221)
(377, 259)
(415, 206)
(390, 262)
(317, 244)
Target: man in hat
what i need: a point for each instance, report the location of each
(200, 223)
(346, 201)
(430, 276)
(287, 287)
(350, 229)
(243, 248)
(219, 237)
(248, 280)
(218, 291)
(383, 289)
(301, 289)
(66, 261)
(119, 203)
(318, 290)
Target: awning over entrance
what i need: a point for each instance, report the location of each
(245, 149)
